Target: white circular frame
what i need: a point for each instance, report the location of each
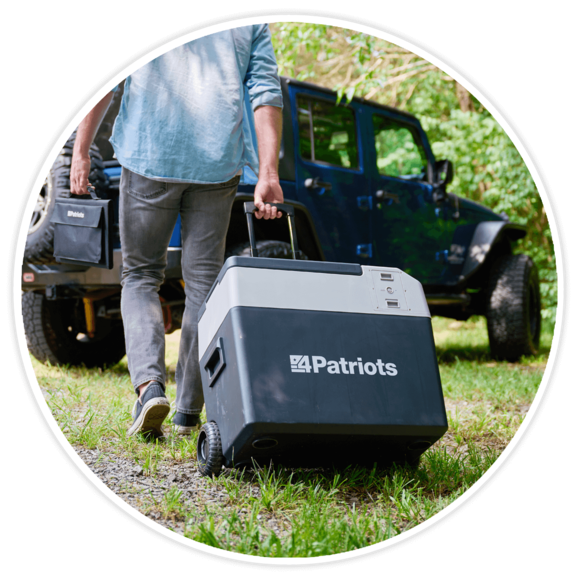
(22, 240)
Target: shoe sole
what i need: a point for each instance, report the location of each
(151, 417)
(184, 430)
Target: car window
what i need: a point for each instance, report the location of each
(327, 133)
(399, 151)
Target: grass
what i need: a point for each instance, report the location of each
(278, 512)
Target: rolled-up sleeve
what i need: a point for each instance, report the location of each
(261, 79)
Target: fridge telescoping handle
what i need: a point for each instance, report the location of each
(286, 210)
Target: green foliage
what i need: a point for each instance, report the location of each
(488, 167)
(489, 170)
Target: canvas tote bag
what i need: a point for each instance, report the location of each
(83, 231)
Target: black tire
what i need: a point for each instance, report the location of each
(209, 450)
(270, 249)
(39, 243)
(513, 308)
(54, 333)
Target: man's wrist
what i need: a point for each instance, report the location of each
(270, 175)
(81, 148)
(80, 156)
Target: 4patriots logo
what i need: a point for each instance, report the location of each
(302, 364)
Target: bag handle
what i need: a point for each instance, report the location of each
(90, 191)
(286, 210)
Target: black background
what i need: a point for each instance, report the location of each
(517, 62)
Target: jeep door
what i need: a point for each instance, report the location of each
(329, 173)
(409, 229)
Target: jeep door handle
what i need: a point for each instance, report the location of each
(315, 183)
(382, 195)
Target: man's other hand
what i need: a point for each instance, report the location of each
(79, 172)
(268, 190)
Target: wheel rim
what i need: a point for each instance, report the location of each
(40, 211)
(203, 449)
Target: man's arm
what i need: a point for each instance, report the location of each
(268, 124)
(264, 90)
(85, 134)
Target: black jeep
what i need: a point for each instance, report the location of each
(366, 189)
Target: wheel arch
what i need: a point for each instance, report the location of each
(491, 239)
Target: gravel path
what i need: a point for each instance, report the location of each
(145, 493)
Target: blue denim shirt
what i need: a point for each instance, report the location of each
(187, 116)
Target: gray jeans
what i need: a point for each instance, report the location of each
(148, 213)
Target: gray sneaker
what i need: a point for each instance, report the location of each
(150, 411)
(186, 424)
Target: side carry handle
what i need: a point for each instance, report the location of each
(215, 362)
(286, 210)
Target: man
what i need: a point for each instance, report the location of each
(182, 136)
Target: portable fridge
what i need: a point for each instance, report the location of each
(310, 363)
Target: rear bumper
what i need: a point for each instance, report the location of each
(38, 277)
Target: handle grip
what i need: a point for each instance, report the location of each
(90, 191)
(286, 210)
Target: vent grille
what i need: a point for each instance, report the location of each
(392, 303)
(386, 276)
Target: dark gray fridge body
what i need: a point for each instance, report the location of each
(312, 363)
